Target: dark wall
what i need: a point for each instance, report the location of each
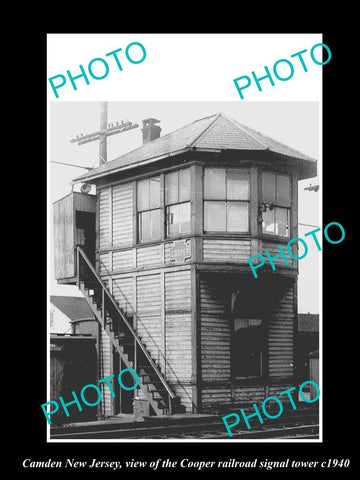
(73, 364)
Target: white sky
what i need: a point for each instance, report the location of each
(296, 124)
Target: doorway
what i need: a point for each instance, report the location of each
(85, 233)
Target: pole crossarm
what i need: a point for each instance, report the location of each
(106, 130)
(113, 130)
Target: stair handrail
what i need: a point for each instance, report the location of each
(138, 320)
(81, 252)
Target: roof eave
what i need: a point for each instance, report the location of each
(307, 168)
(121, 168)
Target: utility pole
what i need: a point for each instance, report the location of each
(102, 137)
(106, 130)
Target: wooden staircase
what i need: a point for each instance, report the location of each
(125, 339)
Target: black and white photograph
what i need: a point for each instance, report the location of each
(195, 282)
(186, 276)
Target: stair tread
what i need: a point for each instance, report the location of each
(151, 385)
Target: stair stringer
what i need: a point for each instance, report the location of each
(147, 387)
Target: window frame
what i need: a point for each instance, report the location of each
(163, 207)
(139, 225)
(178, 202)
(227, 201)
(139, 213)
(276, 205)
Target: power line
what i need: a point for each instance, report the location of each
(71, 165)
(308, 225)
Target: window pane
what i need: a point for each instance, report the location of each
(154, 192)
(144, 226)
(171, 188)
(268, 187)
(214, 184)
(149, 226)
(240, 323)
(184, 185)
(237, 216)
(185, 213)
(282, 221)
(215, 216)
(283, 190)
(255, 322)
(268, 223)
(143, 196)
(172, 219)
(237, 184)
(155, 225)
(178, 219)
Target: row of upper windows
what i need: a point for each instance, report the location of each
(225, 203)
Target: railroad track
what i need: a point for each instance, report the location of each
(209, 427)
(295, 431)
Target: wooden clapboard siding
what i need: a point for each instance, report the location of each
(122, 214)
(178, 291)
(178, 348)
(214, 332)
(106, 369)
(149, 295)
(149, 256)
(249, 394)
(274, 390)
(183, 392)
(123, 292)
(274, 251)
(226, 250)
(57, 365)
(64, 240)
(149, 314)
(123, 260)
(66, 232)
(104, 263)
(104, 218)
(167, 248)
(215, 348)
(216, 395)
(280, 338)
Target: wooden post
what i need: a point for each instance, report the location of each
(102, 138)
(110, 200)
(295, 334)
(294, 217)
(77, 268)
(103, 308)
(195, 340)
(162, 208)
(254, 203)
(196, 199)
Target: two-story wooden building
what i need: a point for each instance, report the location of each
(169, 233)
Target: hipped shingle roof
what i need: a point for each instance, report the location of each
(217, 132)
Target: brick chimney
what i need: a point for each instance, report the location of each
(150, 130)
